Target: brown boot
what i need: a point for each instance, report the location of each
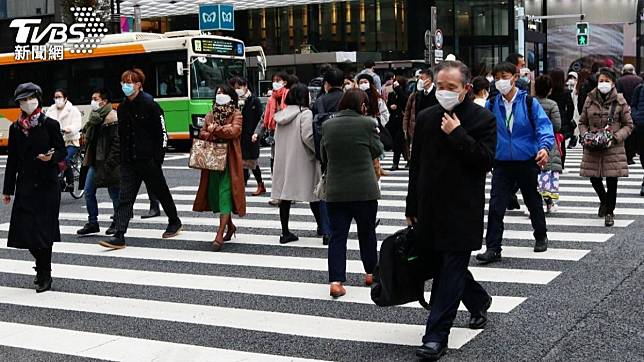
(261, 189)
(337, 290)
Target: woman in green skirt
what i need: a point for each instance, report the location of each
(223, 192)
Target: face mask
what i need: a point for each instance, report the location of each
(278, 85)
(128, 89)
(29, 106)
(60, 102)
(420, 85)
(525, 79)
(364, 86)
(448, 99)
(348, 87)
(571, 84)
(490, 78)
(605, 87)
(95, 105)
(222, 99)
(240, 91)
(504, 86)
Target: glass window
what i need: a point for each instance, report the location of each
(207, 73)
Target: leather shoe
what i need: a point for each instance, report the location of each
(609, 220)
(541, 245)
(116, 242)
(173, 229)
(490, 256)
(431, 351)
(287, 238)
(368, 279)
(336, 290)
(151, 214)
(479, 320)
(44, 285)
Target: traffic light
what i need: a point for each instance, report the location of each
(583, 32)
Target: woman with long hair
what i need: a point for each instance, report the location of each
(223, 192)
(563, 96)
(296, 168)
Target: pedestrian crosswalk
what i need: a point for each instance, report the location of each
(258, 300)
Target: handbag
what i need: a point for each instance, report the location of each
(601, 139)
(320, 189)
(268, 139)
(206, 155)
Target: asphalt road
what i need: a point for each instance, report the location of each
(175, 300)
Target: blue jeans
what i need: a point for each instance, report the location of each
(90, 196)
(340, 215)
(69, 174)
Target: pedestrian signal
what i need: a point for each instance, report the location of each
(582, 40)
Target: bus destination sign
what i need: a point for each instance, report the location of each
(217, 47)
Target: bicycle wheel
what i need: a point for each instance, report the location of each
(77, 162)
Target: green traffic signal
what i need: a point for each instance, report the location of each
(582, 40)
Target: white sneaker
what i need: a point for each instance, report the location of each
(554, 208)
(526, 212)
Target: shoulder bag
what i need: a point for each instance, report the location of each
(207, 155)
(601, 139)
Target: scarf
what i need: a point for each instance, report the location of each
(242, 99)
(94, 121)
(28, 122)
(221, 113)
(271, 108)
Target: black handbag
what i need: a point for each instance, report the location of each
(399, 277)
(268, 139)
(385, 137)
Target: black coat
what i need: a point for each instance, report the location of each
(399, 98)
(141, 129)
(34, 215)
(107, 160)
(447, 177)
(566, 110)
(251, 114)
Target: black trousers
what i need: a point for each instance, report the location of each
(400, 146)
(43, 260)
(632, 145)
(505, 177)
(453, 284)
(606, 197)
(638, 133)
(132, 175)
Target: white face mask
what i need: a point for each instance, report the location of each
(364, 86)
(278, 85)
(605, 87)
(448, 99)
(29, 106)
(240, 91)
(490, 78)
(420, 85)
(504, 86)
(60, 102)
(95, 105)
(222, 99)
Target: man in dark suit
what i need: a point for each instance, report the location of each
(454, 149)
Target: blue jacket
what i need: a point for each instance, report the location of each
(527, 136)
(637, 106)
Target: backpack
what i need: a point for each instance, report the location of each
(399, 278)
(318, 120)
(528, 102)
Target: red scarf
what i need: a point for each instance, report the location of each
(28, 122)
(271, 108)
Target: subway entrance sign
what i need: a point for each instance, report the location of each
(583, 33)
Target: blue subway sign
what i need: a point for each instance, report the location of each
(216, 17)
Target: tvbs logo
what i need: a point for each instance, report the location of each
(84, 34)
(55, 33)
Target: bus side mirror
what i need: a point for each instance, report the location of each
(180, 68)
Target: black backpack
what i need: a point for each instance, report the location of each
(399, 277)
(318, 120)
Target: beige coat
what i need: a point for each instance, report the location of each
(296, 170)
(70, 120)
(612, 161)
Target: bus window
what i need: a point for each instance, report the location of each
(207, 73)
(169, 84)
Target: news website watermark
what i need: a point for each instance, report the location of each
(82, 37)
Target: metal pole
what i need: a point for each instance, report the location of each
(137, 18)
(521, 30)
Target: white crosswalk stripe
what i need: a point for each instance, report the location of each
(255, 266)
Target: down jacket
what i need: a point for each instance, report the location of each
(554, 156)
(595, 114)
(70, 120)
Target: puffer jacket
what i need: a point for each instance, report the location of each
(70, 120)
(554, 156)
(595, 115)
(107, 158)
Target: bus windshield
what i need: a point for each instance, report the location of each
(207, 73)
